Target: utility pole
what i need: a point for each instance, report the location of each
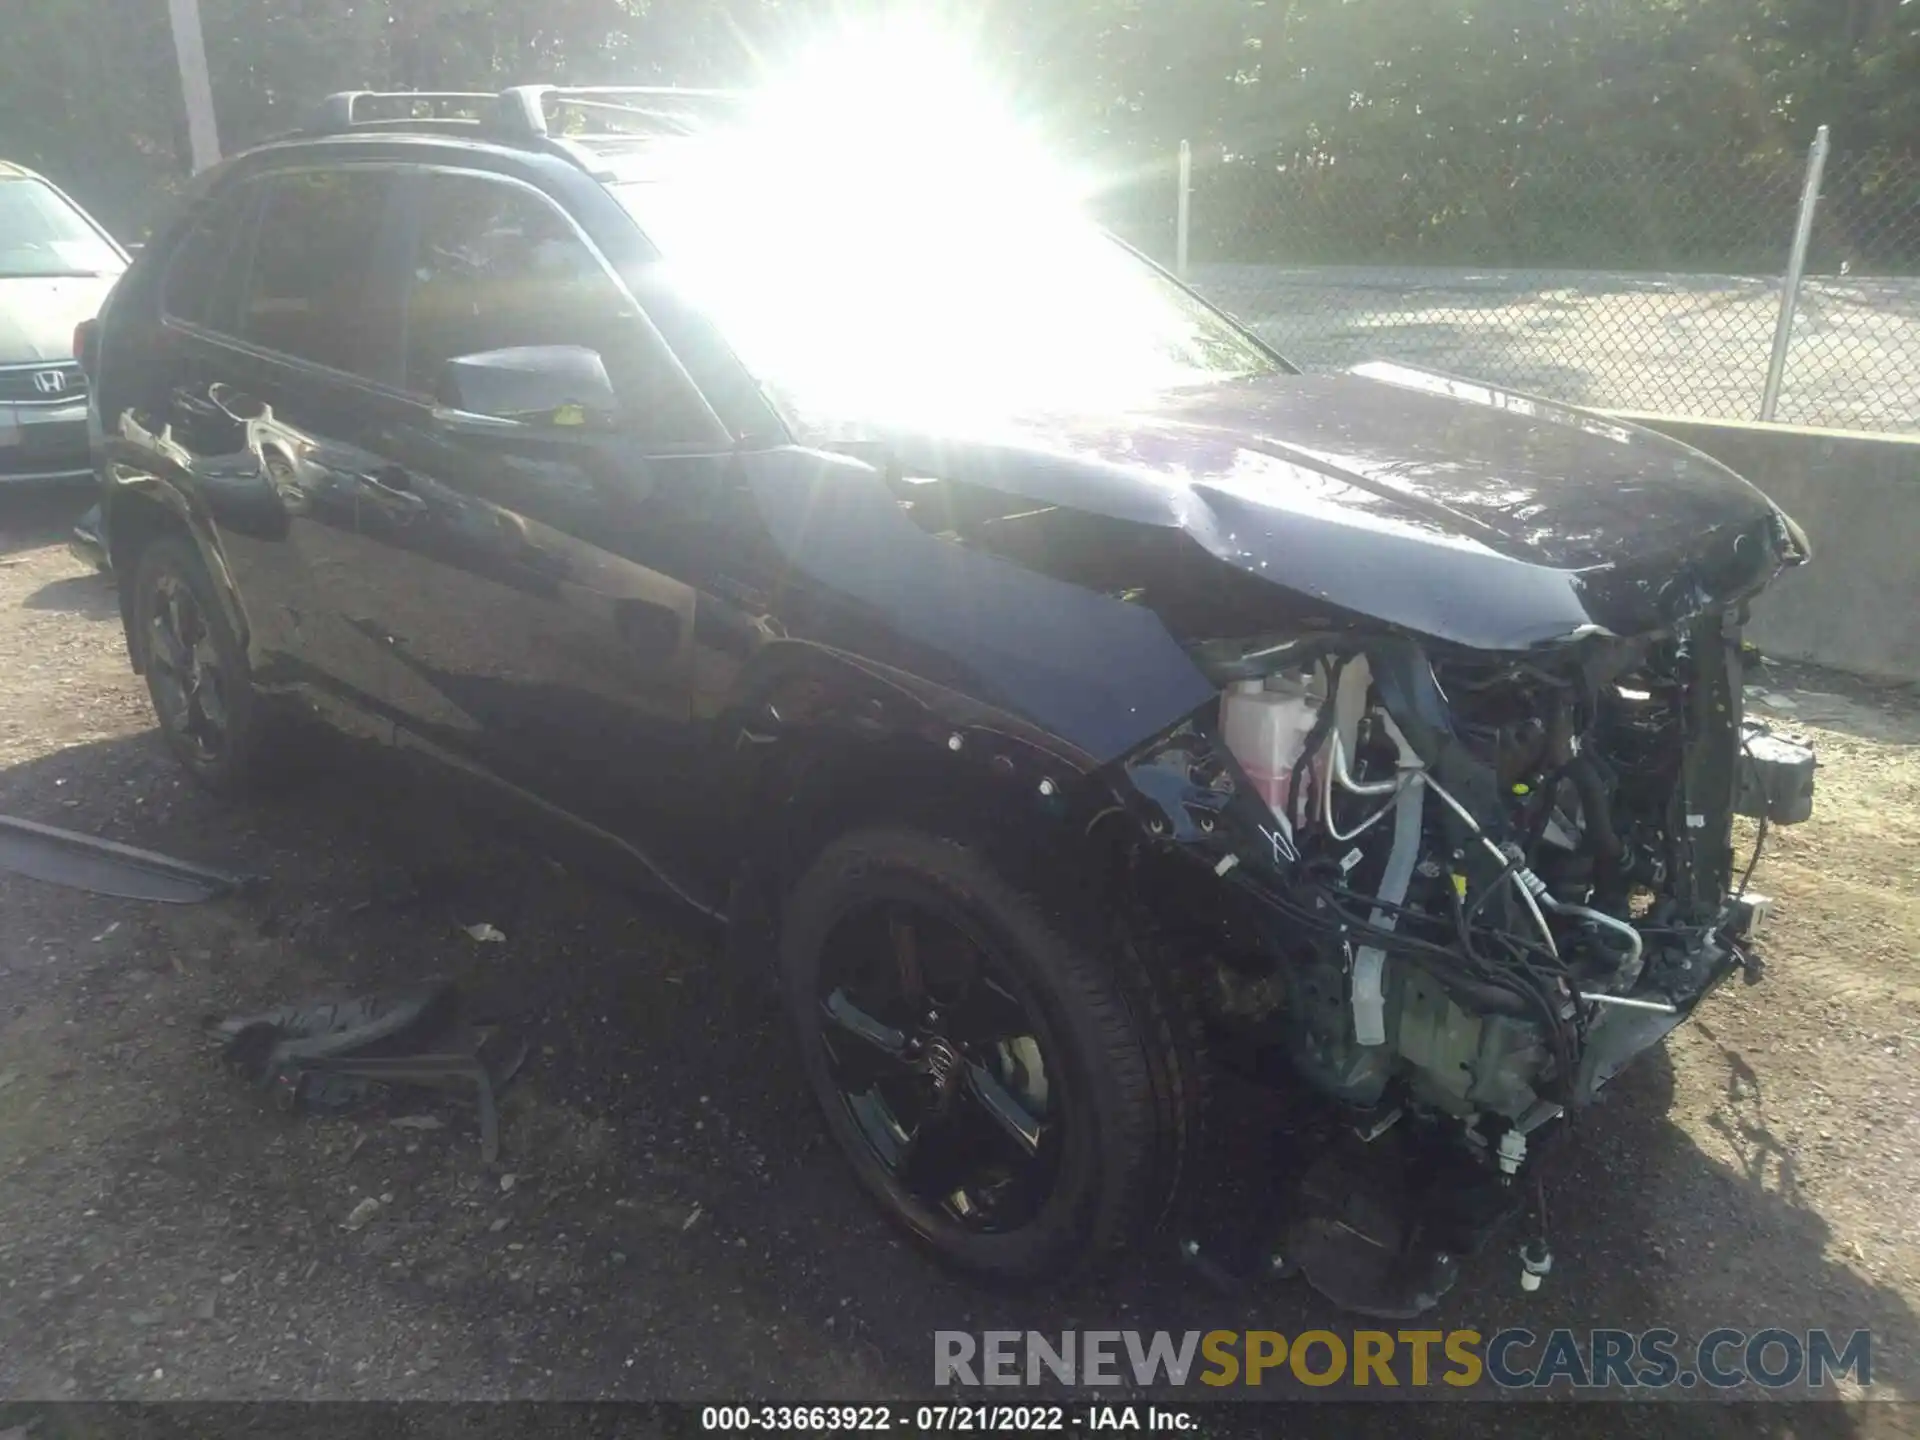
(195, 88)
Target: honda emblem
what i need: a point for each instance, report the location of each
(50, 382)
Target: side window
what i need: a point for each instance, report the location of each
(496, 266)
(312, 289)
(201, 285)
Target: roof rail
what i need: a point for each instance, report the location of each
(524, 114)
(337, 112)
(524, 107)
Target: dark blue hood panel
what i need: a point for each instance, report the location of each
(1468, 514)
(1054, 571)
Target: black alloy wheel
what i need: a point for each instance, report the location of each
(1008, 1089)
(939, 1065)
(184, 669)
(196, 670)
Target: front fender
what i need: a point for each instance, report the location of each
(806, 722)
(795, 687)
(1087, 673)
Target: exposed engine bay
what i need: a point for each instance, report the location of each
(1471, 886)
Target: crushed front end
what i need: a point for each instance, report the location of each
(1458, 891)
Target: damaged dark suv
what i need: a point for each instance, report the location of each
(1058, 683)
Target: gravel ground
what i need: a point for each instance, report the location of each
(668, 1220)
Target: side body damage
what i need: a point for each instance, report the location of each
(1497, 863)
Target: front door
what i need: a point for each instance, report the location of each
(535, 588)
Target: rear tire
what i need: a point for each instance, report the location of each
(196, 671)
(1012, 1116)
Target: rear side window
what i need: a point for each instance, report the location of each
(313, 290)
(202, 284)
(496, 266)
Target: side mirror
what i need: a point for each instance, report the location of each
(534, 385)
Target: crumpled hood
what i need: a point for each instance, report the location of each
(38, 314)
(1457, 510)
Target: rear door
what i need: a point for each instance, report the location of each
(540, 626)
(277, 375)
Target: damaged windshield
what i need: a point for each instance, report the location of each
(927, 301)
(41, 234)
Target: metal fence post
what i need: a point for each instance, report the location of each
(1796, 267)
(1183, 211)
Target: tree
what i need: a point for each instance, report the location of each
(1416, 98)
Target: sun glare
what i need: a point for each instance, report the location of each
(883, 224)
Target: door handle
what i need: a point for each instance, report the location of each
(393, 488)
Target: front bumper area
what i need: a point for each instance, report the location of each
(1549, 892)
(43, 444)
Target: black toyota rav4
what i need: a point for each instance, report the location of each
(1063, 690)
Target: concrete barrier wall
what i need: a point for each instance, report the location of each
(1857, 495)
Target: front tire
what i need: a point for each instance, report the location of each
(996, 1083)
(196, 670)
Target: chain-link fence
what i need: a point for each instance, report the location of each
(1621, 282)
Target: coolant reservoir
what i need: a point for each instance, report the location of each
(1266, 724)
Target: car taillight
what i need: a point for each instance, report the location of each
(85, 337)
